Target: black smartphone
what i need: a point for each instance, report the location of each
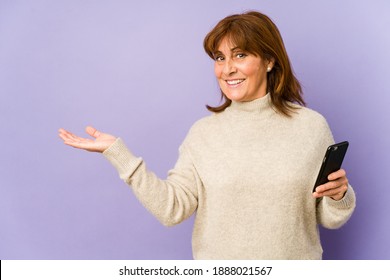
(332, 161)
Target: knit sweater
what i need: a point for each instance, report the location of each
(248, 173)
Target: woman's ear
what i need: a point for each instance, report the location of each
(270, 64)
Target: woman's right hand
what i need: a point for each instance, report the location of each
(101, 142)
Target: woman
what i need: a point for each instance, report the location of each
(249, 168)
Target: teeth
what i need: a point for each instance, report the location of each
(234, 82)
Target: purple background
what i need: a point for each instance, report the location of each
(137, 69)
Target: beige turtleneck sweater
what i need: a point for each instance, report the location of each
(248, 173)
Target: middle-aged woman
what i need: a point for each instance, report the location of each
(248, 169)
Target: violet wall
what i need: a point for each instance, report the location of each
(137, 69)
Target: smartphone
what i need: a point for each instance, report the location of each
(332, 161)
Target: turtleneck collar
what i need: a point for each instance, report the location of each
(258, 106)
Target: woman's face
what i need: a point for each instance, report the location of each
(241, 76)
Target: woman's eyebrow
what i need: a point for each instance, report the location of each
(236, 49)
(232, 50)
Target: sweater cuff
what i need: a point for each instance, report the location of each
(122, 159)
(347, 201)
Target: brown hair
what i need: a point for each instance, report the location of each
(255, 33)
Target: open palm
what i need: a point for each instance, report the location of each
(99, 144)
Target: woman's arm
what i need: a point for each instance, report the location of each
(171, 200)
(336, 199)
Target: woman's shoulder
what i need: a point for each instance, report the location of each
(206, 123)
(305, 118)
(308, 115)
(204, 128)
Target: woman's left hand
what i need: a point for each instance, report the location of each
(335, 188)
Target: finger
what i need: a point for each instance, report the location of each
(332, 185)
(332, 195)
(332, 188)
(79, 145)
(333, 192)
(337, 174)
(62, 132)
(71, 138)
(92, 131)
(64, 135)
(68, 134)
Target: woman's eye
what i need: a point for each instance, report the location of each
(218, 58)
(241, 55)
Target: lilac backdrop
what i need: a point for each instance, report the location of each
(137, 69)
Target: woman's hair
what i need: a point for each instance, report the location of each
(255, 33)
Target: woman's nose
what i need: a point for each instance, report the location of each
(229, 67)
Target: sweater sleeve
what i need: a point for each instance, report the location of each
(171, 200)
(333, 214)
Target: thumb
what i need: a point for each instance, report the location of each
(92, 131)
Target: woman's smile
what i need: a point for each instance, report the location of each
(242, 76)
(234, 83)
